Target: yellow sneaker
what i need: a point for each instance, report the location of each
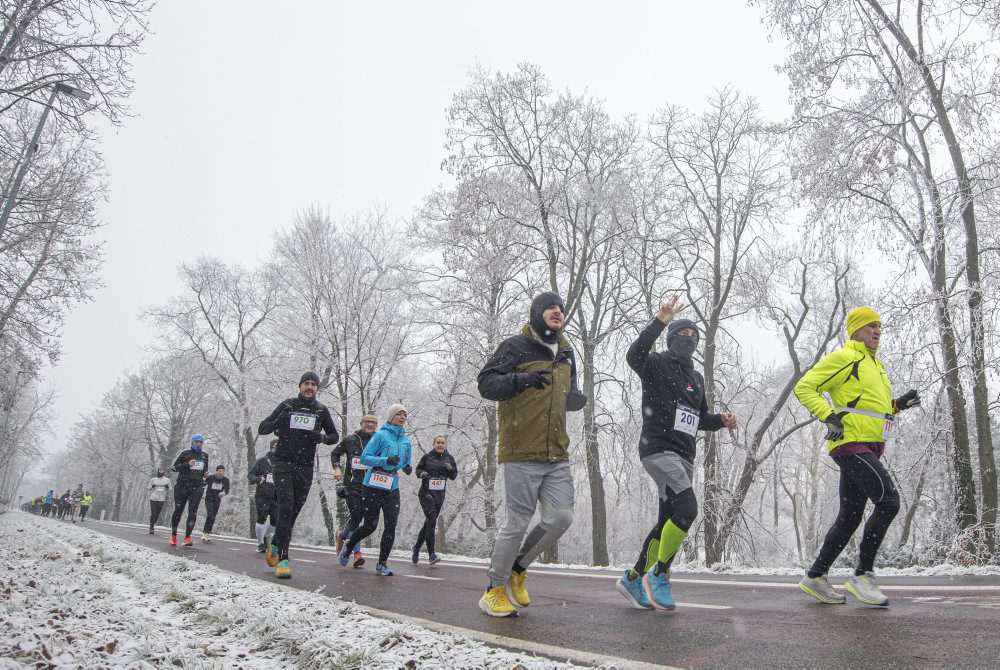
(516, 593)
(284, 570)
(272, 552)
(494, 602)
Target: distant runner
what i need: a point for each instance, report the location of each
(435, 469)
(262, 476)
(158, 487)
(216, 486)
(190, 465)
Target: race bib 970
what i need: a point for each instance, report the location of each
(381, 480)
(686, 420)
(302, 421)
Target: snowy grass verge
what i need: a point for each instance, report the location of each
(73, 598)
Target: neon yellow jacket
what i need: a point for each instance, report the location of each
(87, 500)
(853, 378)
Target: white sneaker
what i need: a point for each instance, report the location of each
(864, 588)
(205, 537)
(821, 589)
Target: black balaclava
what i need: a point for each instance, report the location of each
(161, 472)
(541, 303)
(682, 345)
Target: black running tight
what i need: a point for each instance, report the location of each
(862, 478)
(386, 502)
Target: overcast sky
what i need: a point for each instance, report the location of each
(246, 112)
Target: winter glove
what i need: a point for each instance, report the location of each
(341, 492)
(576, 400)
(835, 430)
(909, 399)
(425, 475)
(537, 379)
(316, 438)
(408, 470)
(392, 460)
(448, 467)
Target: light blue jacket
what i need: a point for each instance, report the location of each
(389, 441)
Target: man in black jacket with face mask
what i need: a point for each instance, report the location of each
(674, 408)
(299, 424)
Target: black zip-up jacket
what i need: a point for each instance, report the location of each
(258, 475)
(215, 479)
(351, 447)
(299, 424)
(187, 474)
(433, 464)
(667, 380)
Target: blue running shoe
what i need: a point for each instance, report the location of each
(434, 559)
(657, 589)
(633, 591)
(345, 555)
(383, 570)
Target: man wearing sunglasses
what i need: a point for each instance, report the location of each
(352, 478)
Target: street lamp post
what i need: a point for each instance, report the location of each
(32, 146)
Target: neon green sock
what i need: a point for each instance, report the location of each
(651, 553)
(671, 538)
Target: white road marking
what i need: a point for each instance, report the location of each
(433, 579)
(233, 549)
(303, 560)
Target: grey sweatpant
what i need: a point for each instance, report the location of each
(526, 483)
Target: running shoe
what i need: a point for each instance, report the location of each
(188, 542)
(150, 529)
(495, 603)
(359, 560)
(821, 589)
(345, 555)
(205, 537)
(261, 548)
(657, 589)
(864, 588)
(340, 541)
(272, 552)
(383, 569)
(173, 540)
(284, 570)
(633, 591)
(416, 554)
(434, 559)
(517, 594)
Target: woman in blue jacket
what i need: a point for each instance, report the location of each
(387, 452)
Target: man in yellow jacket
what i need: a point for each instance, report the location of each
(859, 423)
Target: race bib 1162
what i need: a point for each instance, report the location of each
(381, 480)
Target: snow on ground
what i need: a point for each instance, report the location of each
(73, 598)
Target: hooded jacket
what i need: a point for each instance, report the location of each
(532, 421)
(388, 441)
(352, 447)
(191, 474)
(854, 378)
(433, 464)
(673, 392)
(299, 424)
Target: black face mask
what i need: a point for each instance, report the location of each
(683, 345)
(160, 473)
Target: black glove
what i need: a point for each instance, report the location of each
(425, 475)
(408, 470)
(448, 467)
(316, 437)
(909, 399)
(341, 492)
(576, 400)
(537, 379)
(392, 460)
(835, 430)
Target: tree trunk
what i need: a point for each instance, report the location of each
(490, 470)
(598, 509)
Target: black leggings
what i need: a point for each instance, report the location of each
(212, 504)
(355, 507)
(862, 478)
(682, 509)
(267, 510)
(431, 503)
(155, 506)
(83, 511)
(386, 502)
(292, 482)
(189, 494)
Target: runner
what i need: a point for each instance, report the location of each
(65, 504)
(533, 376)
(859, 423)
(352, 480)
(216, 486)
(190, 466)
(387, 452)
(262, 476)
(85, 504)
(434, 470)
(674, 409)
(298, 423)
(158, 487)
(75, 502)
(47, 507)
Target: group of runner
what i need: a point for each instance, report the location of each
(72, 505)
(533, 378)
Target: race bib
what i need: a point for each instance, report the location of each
(159, 487)
(435, 484)
(356, 464)
(302, 421)
(198, 465)
(686, 420)
(269, 478)
(381, 480)
(216, 487)
(888, 423)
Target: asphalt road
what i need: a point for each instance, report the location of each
(720, 621)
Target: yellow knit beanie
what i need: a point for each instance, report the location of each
(860, 317)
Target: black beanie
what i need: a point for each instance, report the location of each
(309, 376)
(541, 303)
(678, 325)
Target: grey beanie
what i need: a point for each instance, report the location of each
(394, 410)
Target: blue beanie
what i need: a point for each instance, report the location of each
(197, 438)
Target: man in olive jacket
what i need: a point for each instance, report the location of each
(533, 377)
